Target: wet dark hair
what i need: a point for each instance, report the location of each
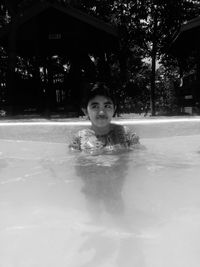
(92, 90)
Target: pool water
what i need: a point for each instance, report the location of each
(62, 208)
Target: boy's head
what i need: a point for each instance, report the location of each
(99, 105)
(97, 89)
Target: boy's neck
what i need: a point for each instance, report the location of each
(101, 130)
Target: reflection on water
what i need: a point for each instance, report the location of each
(103, 177)
(3, 163)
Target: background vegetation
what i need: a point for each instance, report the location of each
(144, 72)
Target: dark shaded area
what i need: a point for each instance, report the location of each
(50, 52)
(186, 49)
(187, 38)
(103, 176)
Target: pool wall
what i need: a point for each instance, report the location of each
(60, 132)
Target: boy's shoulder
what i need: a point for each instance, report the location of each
(87, 132)
(117, 127)
(128, 133)
(80, 137)
(122, 129)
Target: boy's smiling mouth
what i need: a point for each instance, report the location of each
(102, 117)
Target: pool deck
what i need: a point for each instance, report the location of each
(123, 119)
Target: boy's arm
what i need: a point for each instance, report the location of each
(131, 137)
(75, 143)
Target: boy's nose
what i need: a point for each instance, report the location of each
(101, 111)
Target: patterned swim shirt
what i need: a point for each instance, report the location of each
(118, 137)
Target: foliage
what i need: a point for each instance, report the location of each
(146, 28)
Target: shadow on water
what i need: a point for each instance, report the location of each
(3, 163)
(103, 177)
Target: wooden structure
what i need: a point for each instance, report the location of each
(186, 48)
(57, 44)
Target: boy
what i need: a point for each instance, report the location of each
(99, 105)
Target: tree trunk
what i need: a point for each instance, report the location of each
(12, 57)
(153, 67)
(153, 85)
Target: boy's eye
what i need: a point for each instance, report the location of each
(109, 106)
(94, 106)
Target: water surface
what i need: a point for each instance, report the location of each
(140, 208)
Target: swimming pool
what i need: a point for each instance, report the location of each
(140, 208)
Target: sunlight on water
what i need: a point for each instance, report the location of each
(138, 208)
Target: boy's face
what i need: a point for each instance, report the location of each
(100, 110)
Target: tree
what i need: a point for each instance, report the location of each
(146, 28)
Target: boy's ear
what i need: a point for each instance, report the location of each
(84, 111)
